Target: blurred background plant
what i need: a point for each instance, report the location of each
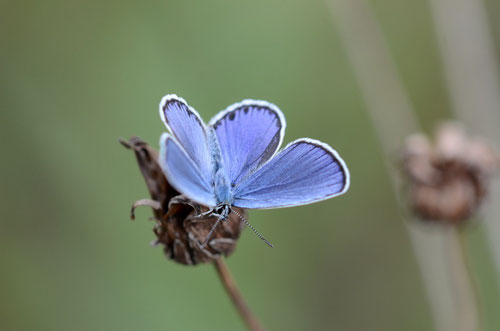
(76, 75)
(448, 176)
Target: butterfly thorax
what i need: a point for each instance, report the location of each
(221, 182)
(222, 188)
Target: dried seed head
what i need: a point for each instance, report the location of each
(182, 235)
(448, 179)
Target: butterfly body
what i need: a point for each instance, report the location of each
(235, 159)
(221, 183)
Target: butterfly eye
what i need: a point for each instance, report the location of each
(219, 209)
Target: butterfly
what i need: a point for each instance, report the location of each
(235, 160)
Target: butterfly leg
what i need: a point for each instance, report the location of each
(202, 216)
(212, 230)
(222, 212)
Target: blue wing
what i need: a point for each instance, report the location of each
(182, 173)
(305, 171)
(249, 134)
(188, 128)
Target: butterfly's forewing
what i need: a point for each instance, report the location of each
(249, 133)
(188, 128)
(183, 174)
(305, 171)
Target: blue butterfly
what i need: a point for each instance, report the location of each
(234, 160)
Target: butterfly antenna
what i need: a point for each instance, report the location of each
(253, 229)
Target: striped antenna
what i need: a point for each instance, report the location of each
(252, 228)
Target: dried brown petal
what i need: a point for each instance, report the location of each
(482, 157)
(417, 159)
(451, 142)
(176, 229)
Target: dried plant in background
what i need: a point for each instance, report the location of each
(448, 178)
(181, 235)
(470, 61)
(440, 252)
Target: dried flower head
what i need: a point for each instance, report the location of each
(182, 234)
(448, 179)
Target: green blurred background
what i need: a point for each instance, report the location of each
(77, 75)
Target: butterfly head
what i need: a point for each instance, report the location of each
(222, 210)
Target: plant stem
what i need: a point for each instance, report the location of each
(470, 66)
(394, 118)
(466, 294)
(227, 280)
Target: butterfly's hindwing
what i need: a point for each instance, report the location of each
(183, 173)
(304, 172)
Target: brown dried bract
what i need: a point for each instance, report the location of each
(159, 189)
(181, 234)
(448, 179)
